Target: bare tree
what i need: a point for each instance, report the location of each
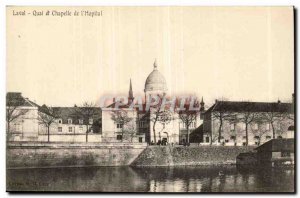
(121, 117)
(159, 115)
(275, 114)
(86, 112)
(247, 116)
(281, 128)
(130, 131)
(221, 114)
(188, 117)
(260, 131)
(13, 109)
(46, 117)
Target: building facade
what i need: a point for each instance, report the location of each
(147, 130)
(247, 123)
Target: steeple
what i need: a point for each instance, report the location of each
(202, 109)
(130, 94)
(202, 105)
(155, 65)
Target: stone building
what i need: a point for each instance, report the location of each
(25, 124)
(21, 118)
(172, 132)
(236, 123)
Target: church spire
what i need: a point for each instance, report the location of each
(130, 93)
(202, 104)
(155, 65)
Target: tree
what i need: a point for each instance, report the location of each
(161, 115)
(247, 116)
(129, 131)
(47, 116)
(275, 114)
(221, 114)
(121, 117)
(87, 111)
(260, 131)
(188, 117)
(14, 109)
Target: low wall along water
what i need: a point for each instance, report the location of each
(189, 156)
(31, 155)
(68, 155)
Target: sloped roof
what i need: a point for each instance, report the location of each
(16, 99)
(70, 113)
(66, 113)
(233, 106)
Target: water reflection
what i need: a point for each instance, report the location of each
(159, 179)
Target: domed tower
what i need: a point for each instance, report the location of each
(155, 83)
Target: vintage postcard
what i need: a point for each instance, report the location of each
(150, 99)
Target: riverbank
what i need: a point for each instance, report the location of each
(41, 155)
(37, 155)
(189, 156)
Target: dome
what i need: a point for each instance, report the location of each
(155, 81)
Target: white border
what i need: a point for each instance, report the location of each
(4, 3)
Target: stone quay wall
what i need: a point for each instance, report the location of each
(189, 156)
(36, 155)
(40, 155)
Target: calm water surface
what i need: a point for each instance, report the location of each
(128, 179)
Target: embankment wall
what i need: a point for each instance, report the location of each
(186, 156)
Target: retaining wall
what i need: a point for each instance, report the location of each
(56, 155)
(186, 156)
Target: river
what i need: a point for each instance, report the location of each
(158, 179)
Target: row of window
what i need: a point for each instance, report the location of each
(255, 127)
(80, 121)
(233, 137)
(142, 124)
(192, 125)
(244, 137)
(72, 129)
(120, 137)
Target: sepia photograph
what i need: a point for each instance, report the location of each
(150, 99)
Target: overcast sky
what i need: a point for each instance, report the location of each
(238, 53)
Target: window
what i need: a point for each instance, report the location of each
(232, 126)
(256, 137)
(207, 139)
(267, 126)
(285, 154)
(279, 137)
(244, 126)
(59, 121)
(142, 124)
(232, 137)
(119, 137)
(226, 141)
(255, 126)
(256, 143)
(59, 129)
(91, 121)
(119, 126)
(244, 143)
(140, 139)
(18, 127)
(268, 137)
(70, 129)
(69, 121)
(80, 121)
(80, 128)
(183, 125)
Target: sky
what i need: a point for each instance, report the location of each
(237, 53)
